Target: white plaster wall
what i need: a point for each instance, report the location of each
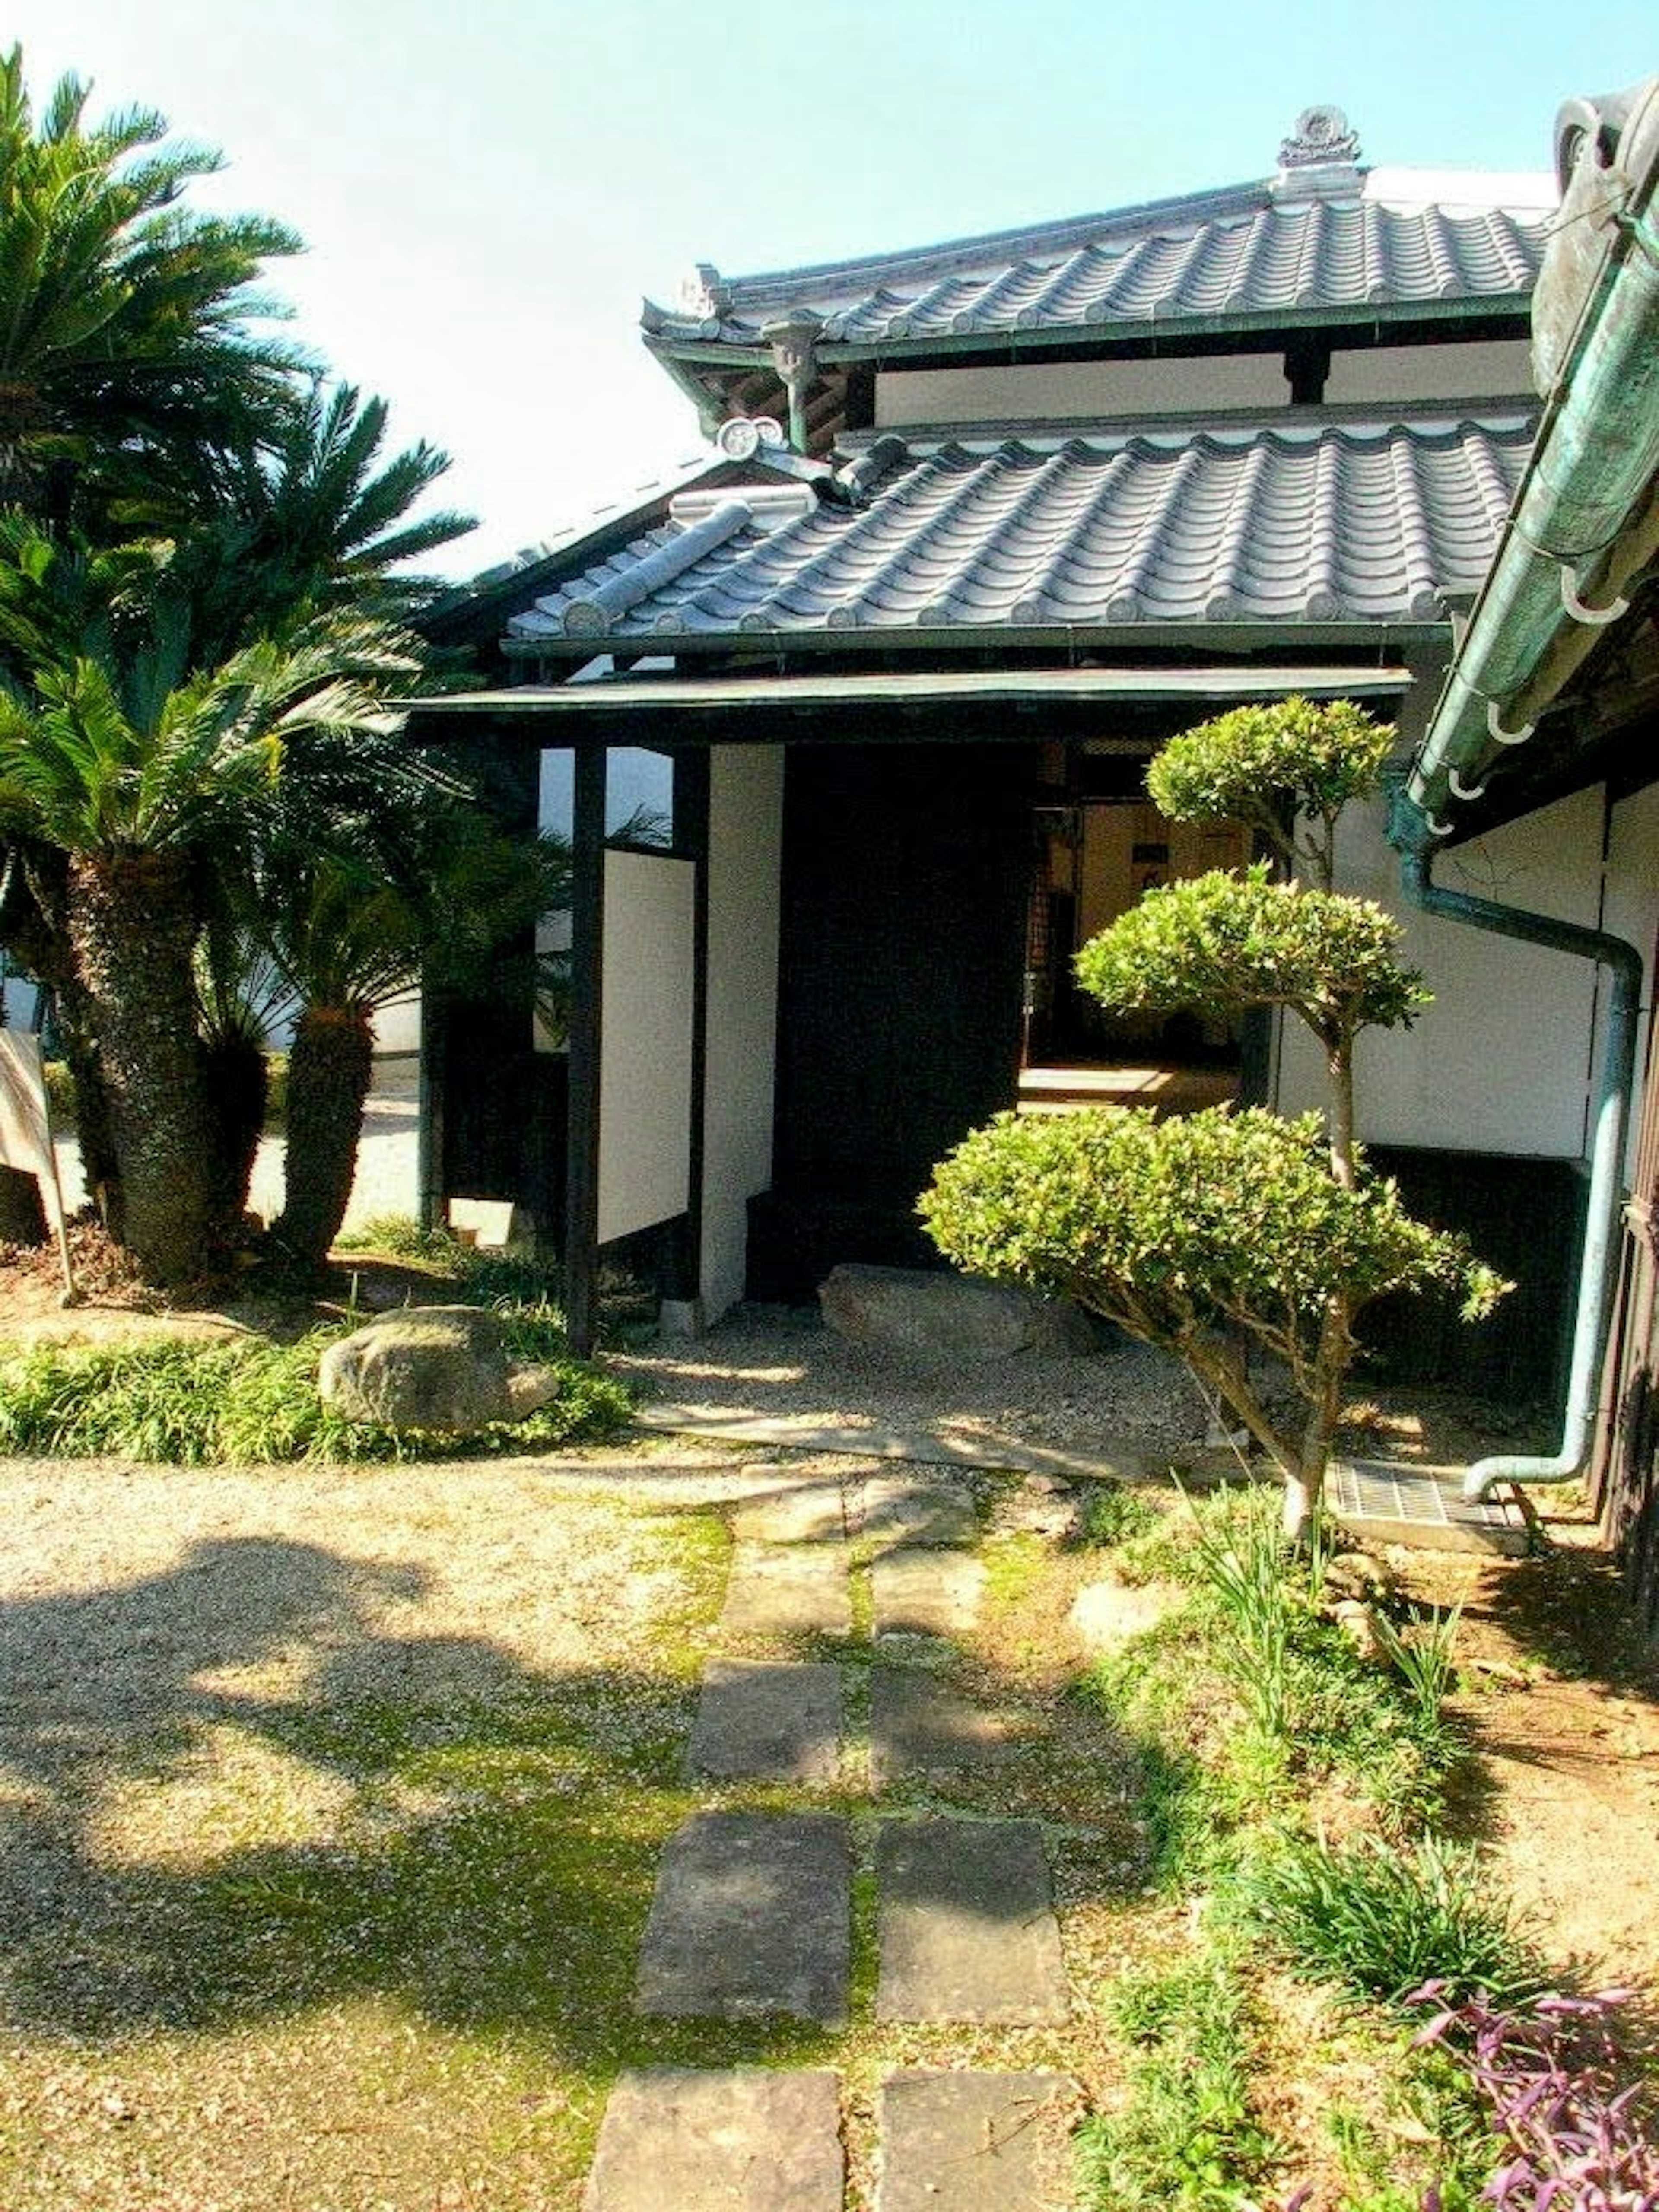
(645, 1060)
(1477, 369)
(1068, 389)
(398, 1024)
(745, 837)
(1500, 1062)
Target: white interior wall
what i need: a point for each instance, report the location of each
(744, 838)
(1500, 1061)
(1475, 369)
(645, 1059)
(1063, 390)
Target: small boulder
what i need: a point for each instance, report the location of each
(1358, 1622)
(926, 1309)
(1043, 1505)
(431, 1367)
(1355, 1574)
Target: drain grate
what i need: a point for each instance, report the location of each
(1424, 1506)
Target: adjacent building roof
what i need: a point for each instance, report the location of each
(1323, 238)
(1244, 254)
(1280, 522)
(1324, 251)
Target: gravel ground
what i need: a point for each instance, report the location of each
(787, 1370)
(783, 1370)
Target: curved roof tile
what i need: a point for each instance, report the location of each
(1244, 252)
(1323, 523)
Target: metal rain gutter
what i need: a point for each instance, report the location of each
(1586, 519)
(1585, 524)
(1601, 1211)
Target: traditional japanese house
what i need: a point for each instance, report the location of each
(846, 727)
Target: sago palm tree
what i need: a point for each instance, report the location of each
(309, 514)
(442, 898)
(153, 782)
(127, 321)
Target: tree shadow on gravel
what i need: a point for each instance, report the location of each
(228, 1796)
(422, 1816)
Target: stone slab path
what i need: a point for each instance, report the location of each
(974, 2141)
(899, 1509)
(926, 1593)
(921, 1730)
(787, 1589)
(751, 1917)
(967, 1923)
(768, 1721)
(678, 2139)
(800, 1513)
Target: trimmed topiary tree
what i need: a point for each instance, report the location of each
(1216, 1232)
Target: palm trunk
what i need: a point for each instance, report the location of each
(132, 925)
(328, 1076)
(100, 1167)
(238, 1087)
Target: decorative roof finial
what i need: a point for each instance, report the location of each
(1318, 160)
(704, 293)
(1321, 135)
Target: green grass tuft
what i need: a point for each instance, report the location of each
(1116, 1515)
(248, 1402)
(1377, 1920)
(1190, 2137)
(400, 1236)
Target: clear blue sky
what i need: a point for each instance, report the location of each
(488, 188)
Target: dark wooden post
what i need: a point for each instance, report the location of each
(586, 1038)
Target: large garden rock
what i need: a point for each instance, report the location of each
(431, 1367)
(924, 1310)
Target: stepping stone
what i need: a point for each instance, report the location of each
(782, 1590)
(899, 1509)
(751, 1917)
(768, 1720)
(967, 1924)
(924, 1593)
(747, 2140)
(807, 1513)
(976, 2143)
(919, 1728)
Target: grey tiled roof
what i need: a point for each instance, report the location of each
(1313, 524)
(1245, 253)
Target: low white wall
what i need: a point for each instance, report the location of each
(745, 830)
(645, 1060)
(398, 1024)
(1500, 1062)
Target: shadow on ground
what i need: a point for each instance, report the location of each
(227, 1797)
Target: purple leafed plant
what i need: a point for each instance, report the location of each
(1550, 2071)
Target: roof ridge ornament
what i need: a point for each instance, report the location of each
(1319, 160)
(704, 293)
(740, 437)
